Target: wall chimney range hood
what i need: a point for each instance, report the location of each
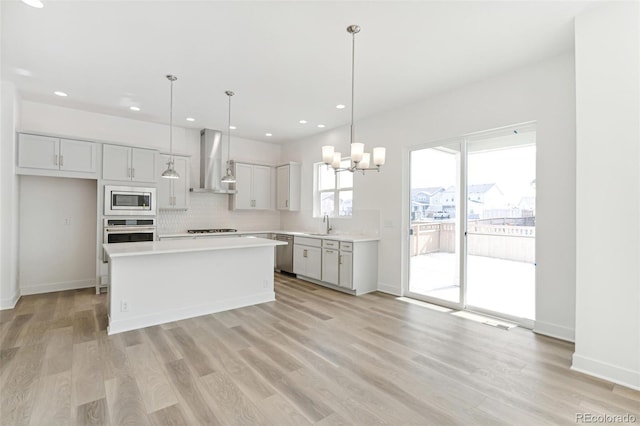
(211, 169)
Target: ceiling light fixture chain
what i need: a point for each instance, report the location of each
(171, 172)
(359, 159)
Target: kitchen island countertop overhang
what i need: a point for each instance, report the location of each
(157, 282)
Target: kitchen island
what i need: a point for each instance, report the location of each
(157, 282)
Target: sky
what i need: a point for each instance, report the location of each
(511, 168)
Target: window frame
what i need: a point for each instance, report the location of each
(336, 190)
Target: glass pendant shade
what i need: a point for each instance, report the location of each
(337, 158)
(228, 177)
(357, 149)
(379, 155)
(327, 154)
(170, 173)
(364, 163)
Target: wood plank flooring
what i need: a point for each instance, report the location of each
(314, 356)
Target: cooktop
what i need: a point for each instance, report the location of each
(210, 231)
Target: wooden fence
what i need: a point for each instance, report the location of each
(509, 242)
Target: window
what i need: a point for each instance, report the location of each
(333, 191)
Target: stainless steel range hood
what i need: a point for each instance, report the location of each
(211, 166)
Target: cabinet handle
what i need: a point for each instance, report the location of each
(55, 160)
(340, 260)
(286, 203)
(304, 253)
(133, 172)
(61, 160)
(329, 251)
(128, 171)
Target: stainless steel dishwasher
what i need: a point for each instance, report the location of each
(284, 254)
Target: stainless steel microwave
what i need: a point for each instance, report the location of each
(129, 200)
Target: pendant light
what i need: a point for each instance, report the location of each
(171, 172)
(229, 177)
(360, 160)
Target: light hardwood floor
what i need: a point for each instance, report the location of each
(315, 356)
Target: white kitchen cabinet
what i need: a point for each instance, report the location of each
(173, 194)
(337, 263)
(253, 187)
(307, 257)
(288, 187)
(126, 163)
(345, 266)
(51, 153)
(331, 266)
(349, 266)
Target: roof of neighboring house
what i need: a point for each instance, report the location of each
(429, 190)
(480, 189)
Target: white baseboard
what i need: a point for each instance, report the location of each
(555, 331)
(10, 302)
(60, 286)
(135, 323)
(390, 289)
(602, 370)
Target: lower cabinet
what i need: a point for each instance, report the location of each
(307, 257)
(337, 263)
(345, 265)
(346, 269)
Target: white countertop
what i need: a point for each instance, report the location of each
(186, 245)
(354, 238)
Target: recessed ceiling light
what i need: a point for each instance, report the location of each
(268, 134)
(321, 126)
(58, 93)
(134, 108)
(191, 119)
(232, 127)
(340, 106)
(34, 3)
(302, 121)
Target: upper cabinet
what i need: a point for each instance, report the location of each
(46, 153)
(128, 164)
(253, 186)
(288, 187)
(173, 194)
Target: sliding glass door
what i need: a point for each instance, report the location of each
(435, 244)
(472, 224)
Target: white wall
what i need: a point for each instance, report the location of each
(9, 218)
(608, 162)
(543, 93)
(57, 234)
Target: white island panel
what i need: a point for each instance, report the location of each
(157, 283)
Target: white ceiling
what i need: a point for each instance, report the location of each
(286, 61)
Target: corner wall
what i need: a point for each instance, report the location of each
(544, 93)
(9, 218)
(608, 167)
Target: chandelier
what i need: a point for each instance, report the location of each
(360, 160)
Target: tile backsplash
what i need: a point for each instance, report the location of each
(212, 211)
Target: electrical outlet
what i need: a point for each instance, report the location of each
(67, 221)
(124, 306)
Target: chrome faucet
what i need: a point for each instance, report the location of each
(326, 219)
